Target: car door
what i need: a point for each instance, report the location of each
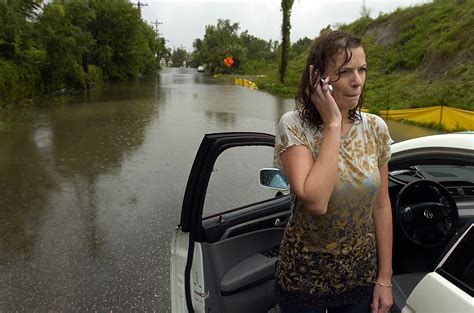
(450, 288)
(224, 260)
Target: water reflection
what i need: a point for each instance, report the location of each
(24, 184)
(223, 119)
(89, 140)
(52, 195)
(400, 131)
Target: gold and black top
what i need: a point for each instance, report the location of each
(331, 260)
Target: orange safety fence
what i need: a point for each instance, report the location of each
(450, 118)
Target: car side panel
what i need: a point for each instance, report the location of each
(179, 257)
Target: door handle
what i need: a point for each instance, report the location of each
(279, 223)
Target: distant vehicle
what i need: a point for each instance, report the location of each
(200, 68)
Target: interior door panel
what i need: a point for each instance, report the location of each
(266, 214)
(241, 254)
(244, 268)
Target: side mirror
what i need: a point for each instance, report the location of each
(273, 178)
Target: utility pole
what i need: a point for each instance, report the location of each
(156, 23)
(140, 5)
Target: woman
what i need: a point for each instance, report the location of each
(337, 249)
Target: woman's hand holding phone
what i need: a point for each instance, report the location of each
(322, 98)
(322, 82)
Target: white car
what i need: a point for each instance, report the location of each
(224, 250)
(201, 68)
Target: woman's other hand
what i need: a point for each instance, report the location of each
(382, 299)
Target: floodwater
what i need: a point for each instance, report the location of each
(91, 189)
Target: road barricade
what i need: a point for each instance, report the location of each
(245, 82)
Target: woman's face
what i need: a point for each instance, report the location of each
(348, 79)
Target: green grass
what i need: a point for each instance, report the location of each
(426, 60)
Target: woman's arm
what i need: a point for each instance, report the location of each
(382, 216)
(311, 180)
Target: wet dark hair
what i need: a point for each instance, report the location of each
(323, 50)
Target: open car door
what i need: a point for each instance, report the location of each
(450, 287)
(225, 249)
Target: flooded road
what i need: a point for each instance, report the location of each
(91, 190)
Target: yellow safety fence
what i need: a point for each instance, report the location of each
(450, 118)
(245, 82)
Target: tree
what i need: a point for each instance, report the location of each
(81, 15)
(364, 11)
(16, 19)
(179, 56)
(256, 48)
(220, 41)
(147, 49)
(249, 54)
(20, 57)
(300, 46)
(121, 46)
(163, 52)
(62, 33)
(196, 57)
(50, 47)
(285, 36)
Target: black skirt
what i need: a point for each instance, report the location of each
(359, 294)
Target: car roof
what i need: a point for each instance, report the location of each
(460, 140)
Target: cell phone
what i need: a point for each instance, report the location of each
(321, 82)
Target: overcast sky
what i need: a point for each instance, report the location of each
(184, 20)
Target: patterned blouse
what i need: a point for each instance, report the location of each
(331, 260)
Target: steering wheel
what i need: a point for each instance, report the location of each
(428, 222)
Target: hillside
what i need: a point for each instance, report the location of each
(417, 56)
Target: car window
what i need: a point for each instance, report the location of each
(235, 179)
(458, 267)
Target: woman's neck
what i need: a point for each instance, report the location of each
(346, 123)
(345, 118)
